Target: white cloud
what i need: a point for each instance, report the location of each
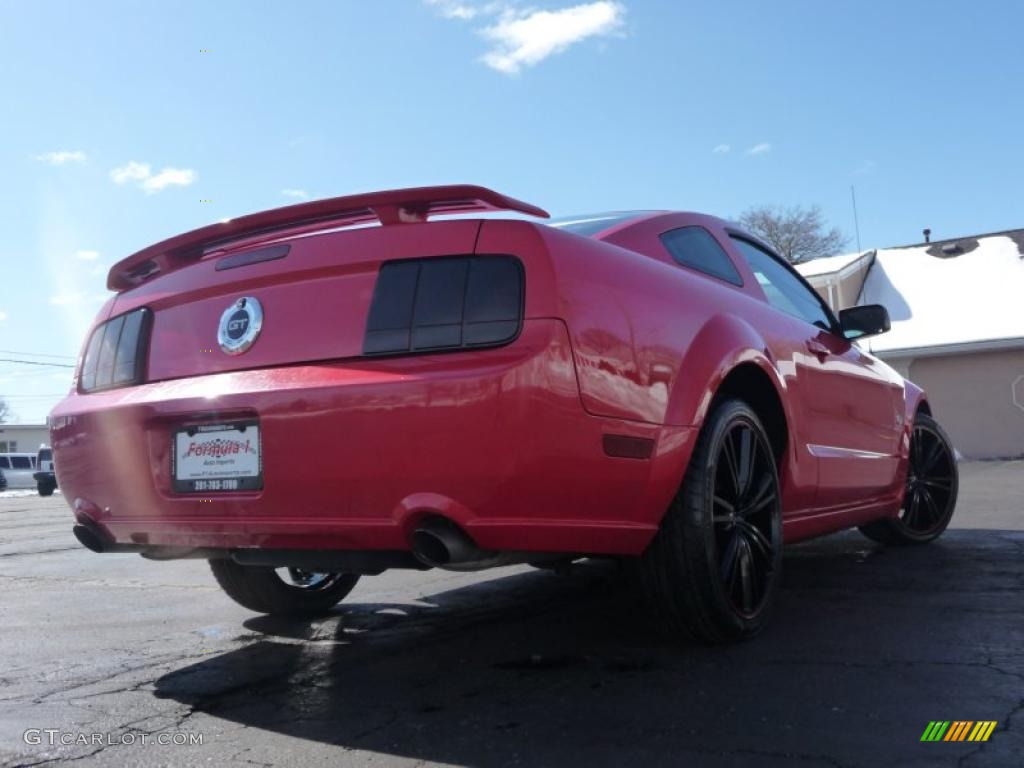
(525, 38)
(455, 10)
(169, 177)
(721, 149)
(131, 172)
(760, 149)
(148, 181)
(298, 194)
(62, 157)
(868, 166)
(87, 255)
(3, 315)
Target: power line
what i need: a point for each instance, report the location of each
(31, 396)
(27, 372)
(35, 362)
(35, 354)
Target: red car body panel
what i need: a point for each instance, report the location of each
(617, 341)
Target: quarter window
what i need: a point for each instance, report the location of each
(785, 291)
(697, 248)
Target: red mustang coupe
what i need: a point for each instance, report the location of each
(323, 391)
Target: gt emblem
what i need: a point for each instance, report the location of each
(240, 326)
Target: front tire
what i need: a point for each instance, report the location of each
(931, 489)
(292, 593)
(46, 489)
(713, 569)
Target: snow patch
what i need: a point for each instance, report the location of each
(931, 301)
(20, 494)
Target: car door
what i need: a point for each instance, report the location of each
(851, 403)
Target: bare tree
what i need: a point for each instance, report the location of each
(5, 411)
(797, 233)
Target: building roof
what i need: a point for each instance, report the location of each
(828, 265)
(949, 294)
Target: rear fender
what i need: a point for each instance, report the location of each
(723, 343)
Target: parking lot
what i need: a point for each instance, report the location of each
(517, 666)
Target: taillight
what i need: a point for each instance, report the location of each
(116, 353)
(422, 305)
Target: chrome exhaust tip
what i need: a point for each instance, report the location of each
(440, 543)
(89, 538)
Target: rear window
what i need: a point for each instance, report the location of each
(21, 462)
(696, 248)
(591, 224)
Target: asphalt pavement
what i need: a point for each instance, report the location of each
(113, 654)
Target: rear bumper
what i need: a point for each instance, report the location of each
(355, 453)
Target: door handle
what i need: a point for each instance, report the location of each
(816, 347)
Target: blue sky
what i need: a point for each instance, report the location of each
(118, 126)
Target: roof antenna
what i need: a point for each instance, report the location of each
(856, 225)
(927, 235)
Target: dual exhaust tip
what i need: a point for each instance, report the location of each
(436, 542)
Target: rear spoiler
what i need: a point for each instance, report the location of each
(396, 206)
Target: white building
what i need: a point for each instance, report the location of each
(957, 328)
(23, 438)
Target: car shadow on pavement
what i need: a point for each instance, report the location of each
(867, 646)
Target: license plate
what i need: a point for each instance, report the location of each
(217, 457)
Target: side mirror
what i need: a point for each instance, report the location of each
(867, 320)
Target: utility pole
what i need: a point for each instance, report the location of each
(856, 224)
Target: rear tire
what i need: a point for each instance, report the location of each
(929, 499)
(263, 590)
(46, 489)
(712, 571)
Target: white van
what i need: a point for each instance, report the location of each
(19, 469)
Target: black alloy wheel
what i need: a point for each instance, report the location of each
(713, 570)
(746, 497)
(929, 497)
(282, 591)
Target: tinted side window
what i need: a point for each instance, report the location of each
(4, 464)
(21, 462)
(784, 290)
(696, 248)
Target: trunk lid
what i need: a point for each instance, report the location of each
(314, 291)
